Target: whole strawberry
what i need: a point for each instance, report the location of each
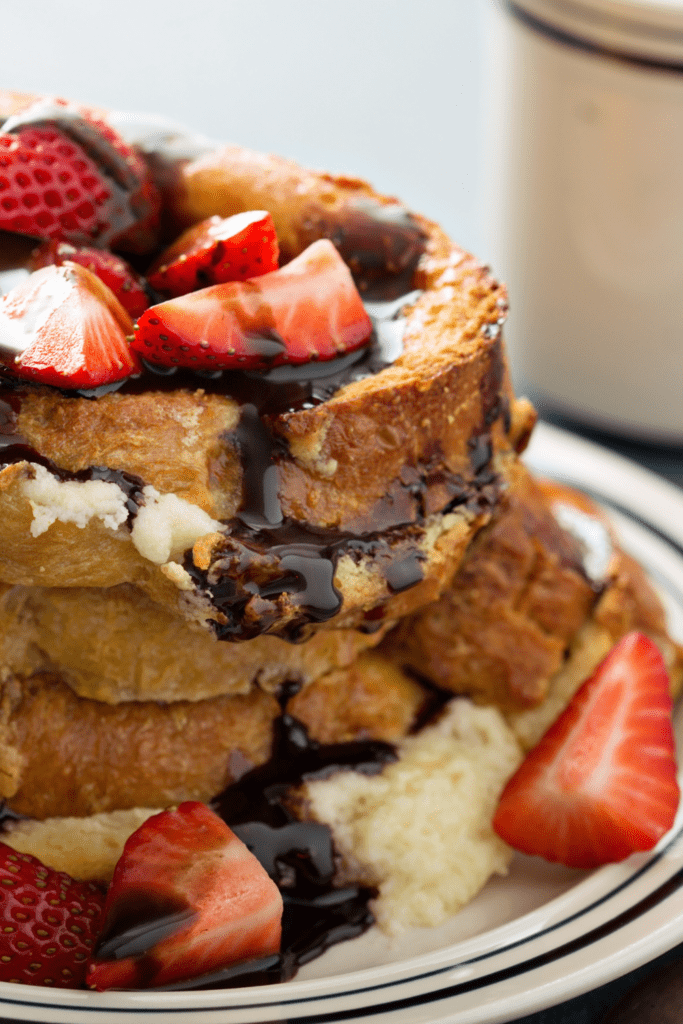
(48, 921)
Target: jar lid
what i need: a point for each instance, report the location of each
(647, 30)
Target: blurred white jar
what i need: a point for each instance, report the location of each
(586, 205)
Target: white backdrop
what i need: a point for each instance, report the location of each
(389, 90)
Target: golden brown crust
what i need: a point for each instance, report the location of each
(628, 600)
(117, 645)
(372, 699)
(501, 630)
(171, 440)
(64, 755)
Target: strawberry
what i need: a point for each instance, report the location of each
(66, 174)
(601, 783)
(307, 310)
(187, 897)
(65, 328)
(119, 276)
(215, 250)
(48, 921)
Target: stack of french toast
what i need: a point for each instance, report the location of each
(191, 558)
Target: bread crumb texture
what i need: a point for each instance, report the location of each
(86, 848)
(421, 830)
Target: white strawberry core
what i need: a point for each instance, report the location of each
(23, 316)
(230, 226)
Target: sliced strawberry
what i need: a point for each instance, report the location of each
(309, 309)
(187, 897)
(48, 186)
(66, 174)
(48, 922)
(119, 276)
(216, 250)
(601, 783)
(63, 327)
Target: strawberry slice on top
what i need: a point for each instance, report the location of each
(601, 784)
(112, 270)
(307, 310)
(217, 249)
(187, 898)
(62, 326)
(66, 174)
(48, 922)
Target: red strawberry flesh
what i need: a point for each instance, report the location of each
(187, 898)
(65, 328)
(216, 250)
(66, 174)
(48, 186)
(601, 784)
(307, 310)
(112, 270)
(48, 923)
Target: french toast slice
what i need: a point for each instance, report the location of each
(116, 644)
(64, 755)
(546, 574)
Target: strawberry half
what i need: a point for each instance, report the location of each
(48, 922)
(66, 174)
(187, 898)
(63, 327)
(119, 276)
(216, 250)
(601, 783)
(307, 310)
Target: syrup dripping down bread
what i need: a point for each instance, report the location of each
(127, 560)
(501, 633)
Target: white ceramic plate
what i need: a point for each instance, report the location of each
(532, 939)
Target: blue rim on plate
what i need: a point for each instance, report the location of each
(556, 933)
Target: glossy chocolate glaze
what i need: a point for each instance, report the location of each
(298, 855)
(269, 569)
(382, 243)
(135, 925)
(255, 574)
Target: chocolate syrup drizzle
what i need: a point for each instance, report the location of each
(298, 855)
(278, 559)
